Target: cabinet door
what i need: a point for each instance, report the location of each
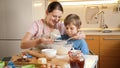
(16, 18)
(110, 52)
(9, 48)
(93, 43)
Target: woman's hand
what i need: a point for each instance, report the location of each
(79, 35)
(46, 40)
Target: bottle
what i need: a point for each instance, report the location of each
(76, 59)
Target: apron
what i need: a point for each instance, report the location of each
(54, 34)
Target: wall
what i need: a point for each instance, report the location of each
(38, 9)
(111, 17)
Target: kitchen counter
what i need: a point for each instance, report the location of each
(101, 33)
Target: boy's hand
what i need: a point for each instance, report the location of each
(79, 35)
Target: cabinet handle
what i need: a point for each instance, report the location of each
(90, 39)
(111, 38)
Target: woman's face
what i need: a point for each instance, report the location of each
(71, 30)
(53, 17)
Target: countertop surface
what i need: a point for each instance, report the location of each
(100, 33)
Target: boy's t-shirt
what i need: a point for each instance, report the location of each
(78, 44)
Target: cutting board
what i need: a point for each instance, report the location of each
(91, 13)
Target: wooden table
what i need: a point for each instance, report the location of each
(90, 61)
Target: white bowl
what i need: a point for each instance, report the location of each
(49, 53)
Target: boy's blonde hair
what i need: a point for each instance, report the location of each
(73, 19)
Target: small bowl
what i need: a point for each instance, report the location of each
(49, 53)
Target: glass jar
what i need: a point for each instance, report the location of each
(76, 59)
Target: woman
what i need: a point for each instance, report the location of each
(35, 36)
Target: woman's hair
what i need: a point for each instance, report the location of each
(73, 19)
(54, 5)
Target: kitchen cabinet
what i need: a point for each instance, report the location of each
(9, 48)
(110, 51)
(16, 17)
(93, 43)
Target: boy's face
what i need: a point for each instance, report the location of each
(71, 30)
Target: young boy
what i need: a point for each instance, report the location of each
(72, 24)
